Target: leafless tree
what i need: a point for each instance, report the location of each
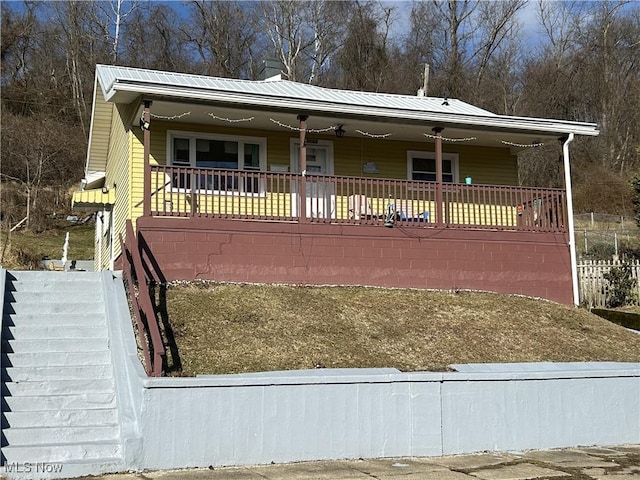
(365, 59)
(224, 36)
(160, 26)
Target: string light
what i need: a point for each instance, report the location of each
(174, 117)
(308, 130)
(230, 120)
(373, 135)
(466, 139)
(522, 145)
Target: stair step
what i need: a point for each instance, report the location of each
(52, 319)
(45, 435)
(62, 452)
(58, 387)
(18, 277)
(86, 307)
(53, 285)
(87, 401)
(73, 372)
(55, 359)
(68, 332)
(61, 418)
(71, 294)
(56, 345)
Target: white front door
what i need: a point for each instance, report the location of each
(320, 192)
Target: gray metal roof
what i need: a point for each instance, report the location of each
(124, 85)
(110, 76)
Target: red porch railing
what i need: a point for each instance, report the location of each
(233, 194)
(146, 321)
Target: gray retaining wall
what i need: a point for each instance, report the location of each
(332, 414)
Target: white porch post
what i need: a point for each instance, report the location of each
(303, 168)
(570, 226)
(440, 219)
(146, 136)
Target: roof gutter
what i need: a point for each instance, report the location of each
(492, 122)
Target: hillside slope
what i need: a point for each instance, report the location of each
(229, 328)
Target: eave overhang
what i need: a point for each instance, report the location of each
(126, 91)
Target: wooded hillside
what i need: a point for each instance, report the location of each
(583, 64)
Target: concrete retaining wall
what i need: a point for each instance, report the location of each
(331, 414)
(234, 420)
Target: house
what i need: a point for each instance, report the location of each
(280, 182)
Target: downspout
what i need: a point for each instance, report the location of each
(112, 238)
(572, 236)
(99, 229)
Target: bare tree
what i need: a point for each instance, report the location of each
(224, 35)
(115, 13)
(609, 67)
(496, 26)
(82, 47)
(326, 23)
(364, 59)
(285, 24)
(162, 27)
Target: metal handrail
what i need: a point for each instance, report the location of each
(146, 320)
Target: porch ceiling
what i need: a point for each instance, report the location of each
(404, 129)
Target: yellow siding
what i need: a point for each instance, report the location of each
(486, 165)
(279, 204)
(118, 175)
(99, 146)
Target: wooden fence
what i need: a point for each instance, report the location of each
(594, 288)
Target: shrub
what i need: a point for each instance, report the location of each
(621, 286)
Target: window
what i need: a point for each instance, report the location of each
(422, 166)
(217, 151)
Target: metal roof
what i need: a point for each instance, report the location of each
(125, 84)
(110, 76)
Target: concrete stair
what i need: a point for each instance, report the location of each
(59, 403)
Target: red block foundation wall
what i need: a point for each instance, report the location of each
(527, 263)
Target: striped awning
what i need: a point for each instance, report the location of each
(94, 198)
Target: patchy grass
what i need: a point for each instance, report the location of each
(231, 328)
(26, 248)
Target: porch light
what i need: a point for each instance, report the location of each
(144, 125)
(340, 131)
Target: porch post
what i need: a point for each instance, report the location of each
(302, 195)
(439, 217)
(572, 236)
(144, 124)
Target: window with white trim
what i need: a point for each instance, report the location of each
(422, 166)
(196, 150)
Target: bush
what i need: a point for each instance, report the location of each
(621, 286)
(600, 251)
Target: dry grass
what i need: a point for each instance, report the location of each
(228, 328)
(26, 248)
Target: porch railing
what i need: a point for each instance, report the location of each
(233, 194)
(146, 321)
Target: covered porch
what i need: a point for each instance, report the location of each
(329, 199)
(276, 181)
